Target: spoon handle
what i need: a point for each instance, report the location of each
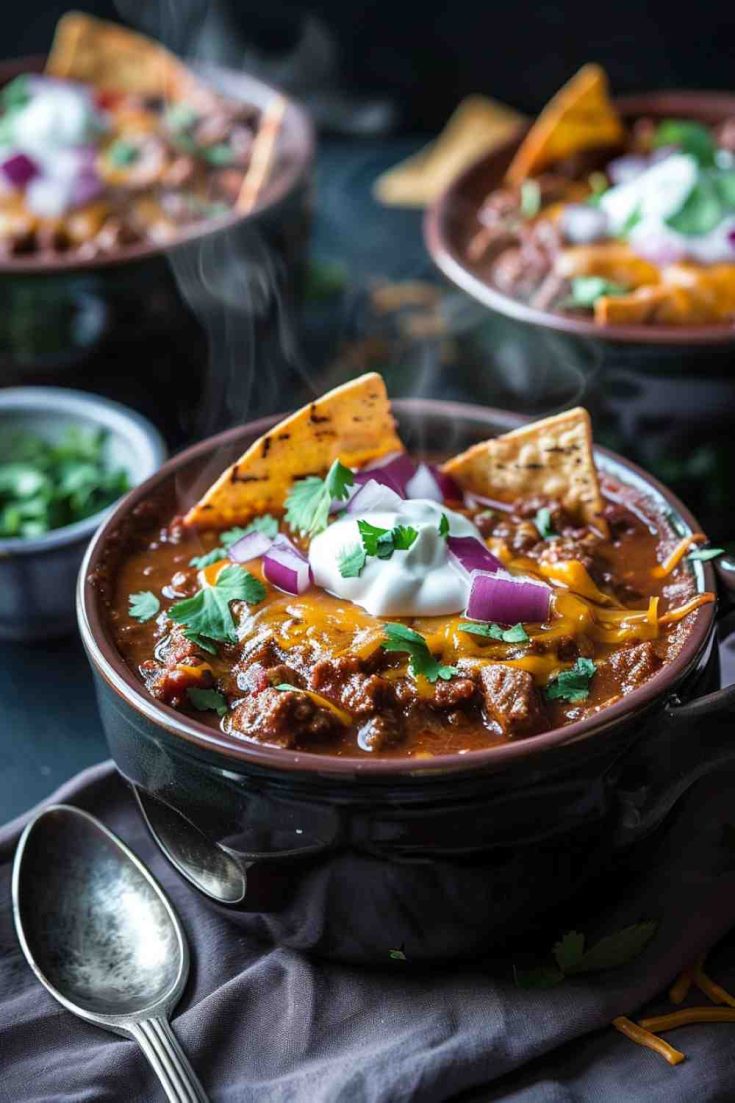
(168, 1060)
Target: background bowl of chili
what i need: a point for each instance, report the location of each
(663, 395)
(132, 322)
(438, 858)
(38, 573)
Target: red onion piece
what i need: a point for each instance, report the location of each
(250, 546)
(582, 224)
(656, 246)
(506, 599)
(286, 568)
(470, 554)
(448, 486)
(424, 484)
(18, 170)
(472, 501)
(373, 495)
(393, 470)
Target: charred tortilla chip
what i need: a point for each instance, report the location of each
(552, 458)
(352, 423)
(579, 117)
(115, 59)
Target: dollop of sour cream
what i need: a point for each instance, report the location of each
(56, 116)
(420, 581)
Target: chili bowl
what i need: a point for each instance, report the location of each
(359, 858)
(663, 395)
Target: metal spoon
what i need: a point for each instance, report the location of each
(99, 933)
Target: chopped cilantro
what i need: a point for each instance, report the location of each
(351, 561)
(516, 634)
(180, 116)
(702, 555)
(397, 955)
(403, 537)
(372, 535)
(202, 641)
(544, 524)
(208, 612)
(285, 686)
(444, 525)
(220, 154)
(571, 957)
(530, 198)
(399, 637)
(701, 211)
(586, 290)
(205, 699)
(266, 524)
(143, 606)
(690, 137)
(206, 560)
(309, 500)
(122, 153)
(598, 186)
(574, 684)
(15, 94)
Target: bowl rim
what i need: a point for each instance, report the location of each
(294, 170)
(450, 261)
(104, 412)
(110, 666)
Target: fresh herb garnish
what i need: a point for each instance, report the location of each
(351, 561)
(530, 198)
(397, 955)
(375, 540)
(690, 137)
(143, 606)
(202, 642)
(285, 686)
(213, 556)
(205, 699)
(399, 637)
(220, 154)
(544, 524)
(702, 555)
(492, 631)
(45, 485)
(574, 684)
(403, 537)
(266, 523)
(309, 500)
(586, 290)
(444, 525)
(571, 957)
(208, 612)
(122, 153)
(701, 211)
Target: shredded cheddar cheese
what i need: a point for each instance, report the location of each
(680, 988)
(712, 989)
(687, 1016)
(697, 602)
(644, 1037)
(674, 559)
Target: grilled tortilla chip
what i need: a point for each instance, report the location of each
(580, 116)
(115, 59)
(352, 423)
(552, 458)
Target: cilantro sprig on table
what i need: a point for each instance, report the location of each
(266, 524)
(399, 637)
(571, 956)
(207, 615)
(572, 685)
(309, 500)
(515, 634)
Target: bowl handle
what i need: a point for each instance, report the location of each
(693, 739)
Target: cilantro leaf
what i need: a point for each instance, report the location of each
(403, 537)
(383, 542)
(309, 500)
(206, 560)
(574, 684)
(586, 290)
(285, 686)
(541, 976)
(208, 612)
(351, 561)
(397, 955)
(122, 153)
(143, 606)
(569, 951)
(701, 211)
(530, 198)
(691, 137)
(444, 525)
(266, 524)
(492, 631)
(202, 642)
(614, 949)
(371, 536)
(702, 555)
(544, 524)
(399, 637)
(205, 699)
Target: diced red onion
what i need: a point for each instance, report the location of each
(507, 599)
(286, 568)
(250, 546)
(623, 169)
(582, 224)
(373, 495)
(731, 237)
(393, 470)
(424, 484)
(470, 554)
(448, 486)
(87, 186)
(18, 169)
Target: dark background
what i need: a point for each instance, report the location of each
(426, 56)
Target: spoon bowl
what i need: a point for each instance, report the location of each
(101, 936)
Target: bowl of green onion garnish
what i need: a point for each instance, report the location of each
(65, 458)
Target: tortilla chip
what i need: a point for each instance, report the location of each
(580, 116)
(353, 423)
(116, 59)
(552, 458)
(263, 155)
(477, 126)
(611, 260)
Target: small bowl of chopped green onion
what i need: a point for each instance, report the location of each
(65, 458)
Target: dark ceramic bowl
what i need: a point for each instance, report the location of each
(353, 858)
(664, 395)
(136, 323)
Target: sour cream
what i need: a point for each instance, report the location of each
(421, 581)
(57, 116)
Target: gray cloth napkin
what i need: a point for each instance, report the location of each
(268, 1024)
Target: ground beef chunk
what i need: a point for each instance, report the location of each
(520, 271)
(379, 732)
(286, 718)
(343, 680)
(634, 665)
(511, 700)
(570, 547)
(454, 693)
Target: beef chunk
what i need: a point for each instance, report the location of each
(287, 718)
(454, 693)
(634, 665)
(511, 700)
(379, 732)
(343, 680)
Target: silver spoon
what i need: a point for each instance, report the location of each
(99, 933)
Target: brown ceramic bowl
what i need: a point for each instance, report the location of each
(452, 221)
(353, 858)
